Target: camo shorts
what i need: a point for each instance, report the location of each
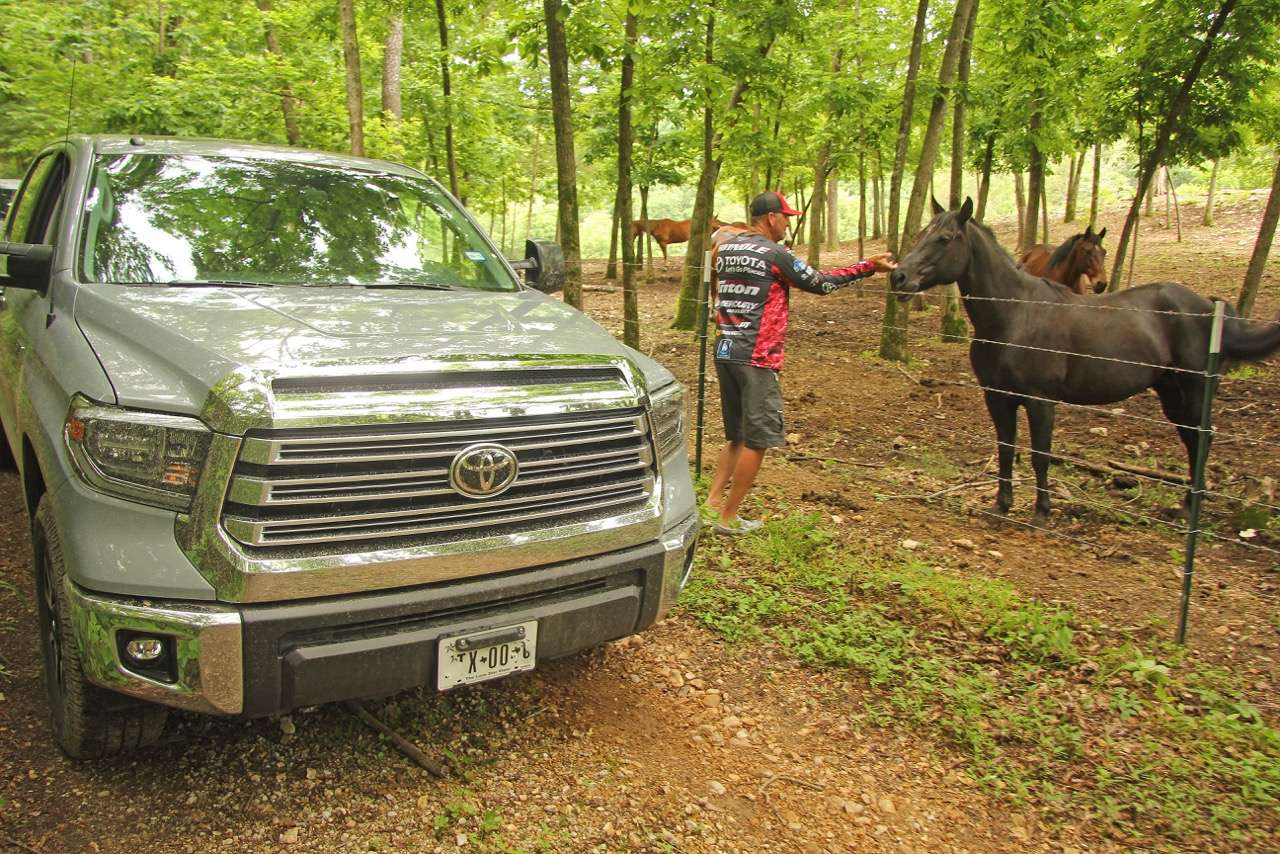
(751, 403)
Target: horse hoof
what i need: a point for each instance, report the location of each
(1040, 519)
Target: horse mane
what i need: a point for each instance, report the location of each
(995, 241)
(1063, 252)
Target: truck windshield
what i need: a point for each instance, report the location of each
(185, 220)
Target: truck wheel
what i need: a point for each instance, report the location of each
(7, 461)
(88, 722)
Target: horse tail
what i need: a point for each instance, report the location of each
(1249, 341)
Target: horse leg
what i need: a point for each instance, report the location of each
(1040, 415)
(1181, 399)
(1004, 415)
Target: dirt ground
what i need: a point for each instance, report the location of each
(672, 741)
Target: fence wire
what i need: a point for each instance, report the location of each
(1208, 516)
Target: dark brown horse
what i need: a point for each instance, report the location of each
(1036, 344)
(1080, 262)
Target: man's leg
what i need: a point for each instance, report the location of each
(724, 471)
(744, 475)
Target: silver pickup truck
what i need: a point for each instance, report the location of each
(292, 430)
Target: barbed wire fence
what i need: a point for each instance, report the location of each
(1211, 514)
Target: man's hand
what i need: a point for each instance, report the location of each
(883, 262)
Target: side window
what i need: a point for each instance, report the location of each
(40, 202)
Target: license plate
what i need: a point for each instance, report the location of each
(479, 656)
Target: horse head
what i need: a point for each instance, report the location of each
(939, 256)
(1091, 259)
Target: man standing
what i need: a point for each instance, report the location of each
(754, 275)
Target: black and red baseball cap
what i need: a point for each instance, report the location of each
(771, 202)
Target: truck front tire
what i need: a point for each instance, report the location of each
(88, 722)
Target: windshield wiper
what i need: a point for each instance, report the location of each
(215, 283)
(409, 285)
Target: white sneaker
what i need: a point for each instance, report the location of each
(738, 527)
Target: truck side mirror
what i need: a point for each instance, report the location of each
(25, 265)
(543, 265)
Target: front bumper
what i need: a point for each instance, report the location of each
(268, 659)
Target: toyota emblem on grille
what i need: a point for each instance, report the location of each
(483, 471)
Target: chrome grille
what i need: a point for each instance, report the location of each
(327, 485)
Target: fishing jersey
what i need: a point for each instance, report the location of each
(755, 276)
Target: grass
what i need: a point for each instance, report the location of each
(1156, 751)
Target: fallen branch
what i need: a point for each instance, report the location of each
(401, 743)
(1105, 471)
(941, 492)
(837, 460)
(903, 371)
(1157, 474)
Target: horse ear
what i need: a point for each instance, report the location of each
(1102, 234)
(1088, 231)
(966, 210)
(937, 208)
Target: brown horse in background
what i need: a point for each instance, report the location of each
(1080, 262)
(666, 231)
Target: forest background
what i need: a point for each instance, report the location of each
(541, 116)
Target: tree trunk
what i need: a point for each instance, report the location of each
(566, 165)
(647, 252)
(877, 199)
(862, 203)
(1019, 199)
(1168, 208)
(288, 104)
(611, 269)
(984, 184)
(817, 204)
(1069, 204)
(1035, 177)
(1096, 186)
(1173, 194)
(1149, 206)
(954, 327)
(904, 126)
(1261, 247)
(534, 150)
(1073, 186)
(691, 275)
(1157, 153)
(1044, 212)
(392, 57)
(961, 110)
(833, 212)
(355, 89)
(1208, 199)
(630, 297)
(449, 155)
(933, 130)
(690, 281)
(893, 331)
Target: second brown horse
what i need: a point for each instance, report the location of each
(666, 231)
(1080, 262)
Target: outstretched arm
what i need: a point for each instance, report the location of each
(800, 274)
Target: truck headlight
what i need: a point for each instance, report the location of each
(668, 405)
(139, 456)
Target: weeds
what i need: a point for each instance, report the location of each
(1130, 734)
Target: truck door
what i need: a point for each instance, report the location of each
(34, 219)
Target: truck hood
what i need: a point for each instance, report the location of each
(169, 348)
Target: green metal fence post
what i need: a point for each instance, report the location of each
(1202, 458)
(705, 297)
